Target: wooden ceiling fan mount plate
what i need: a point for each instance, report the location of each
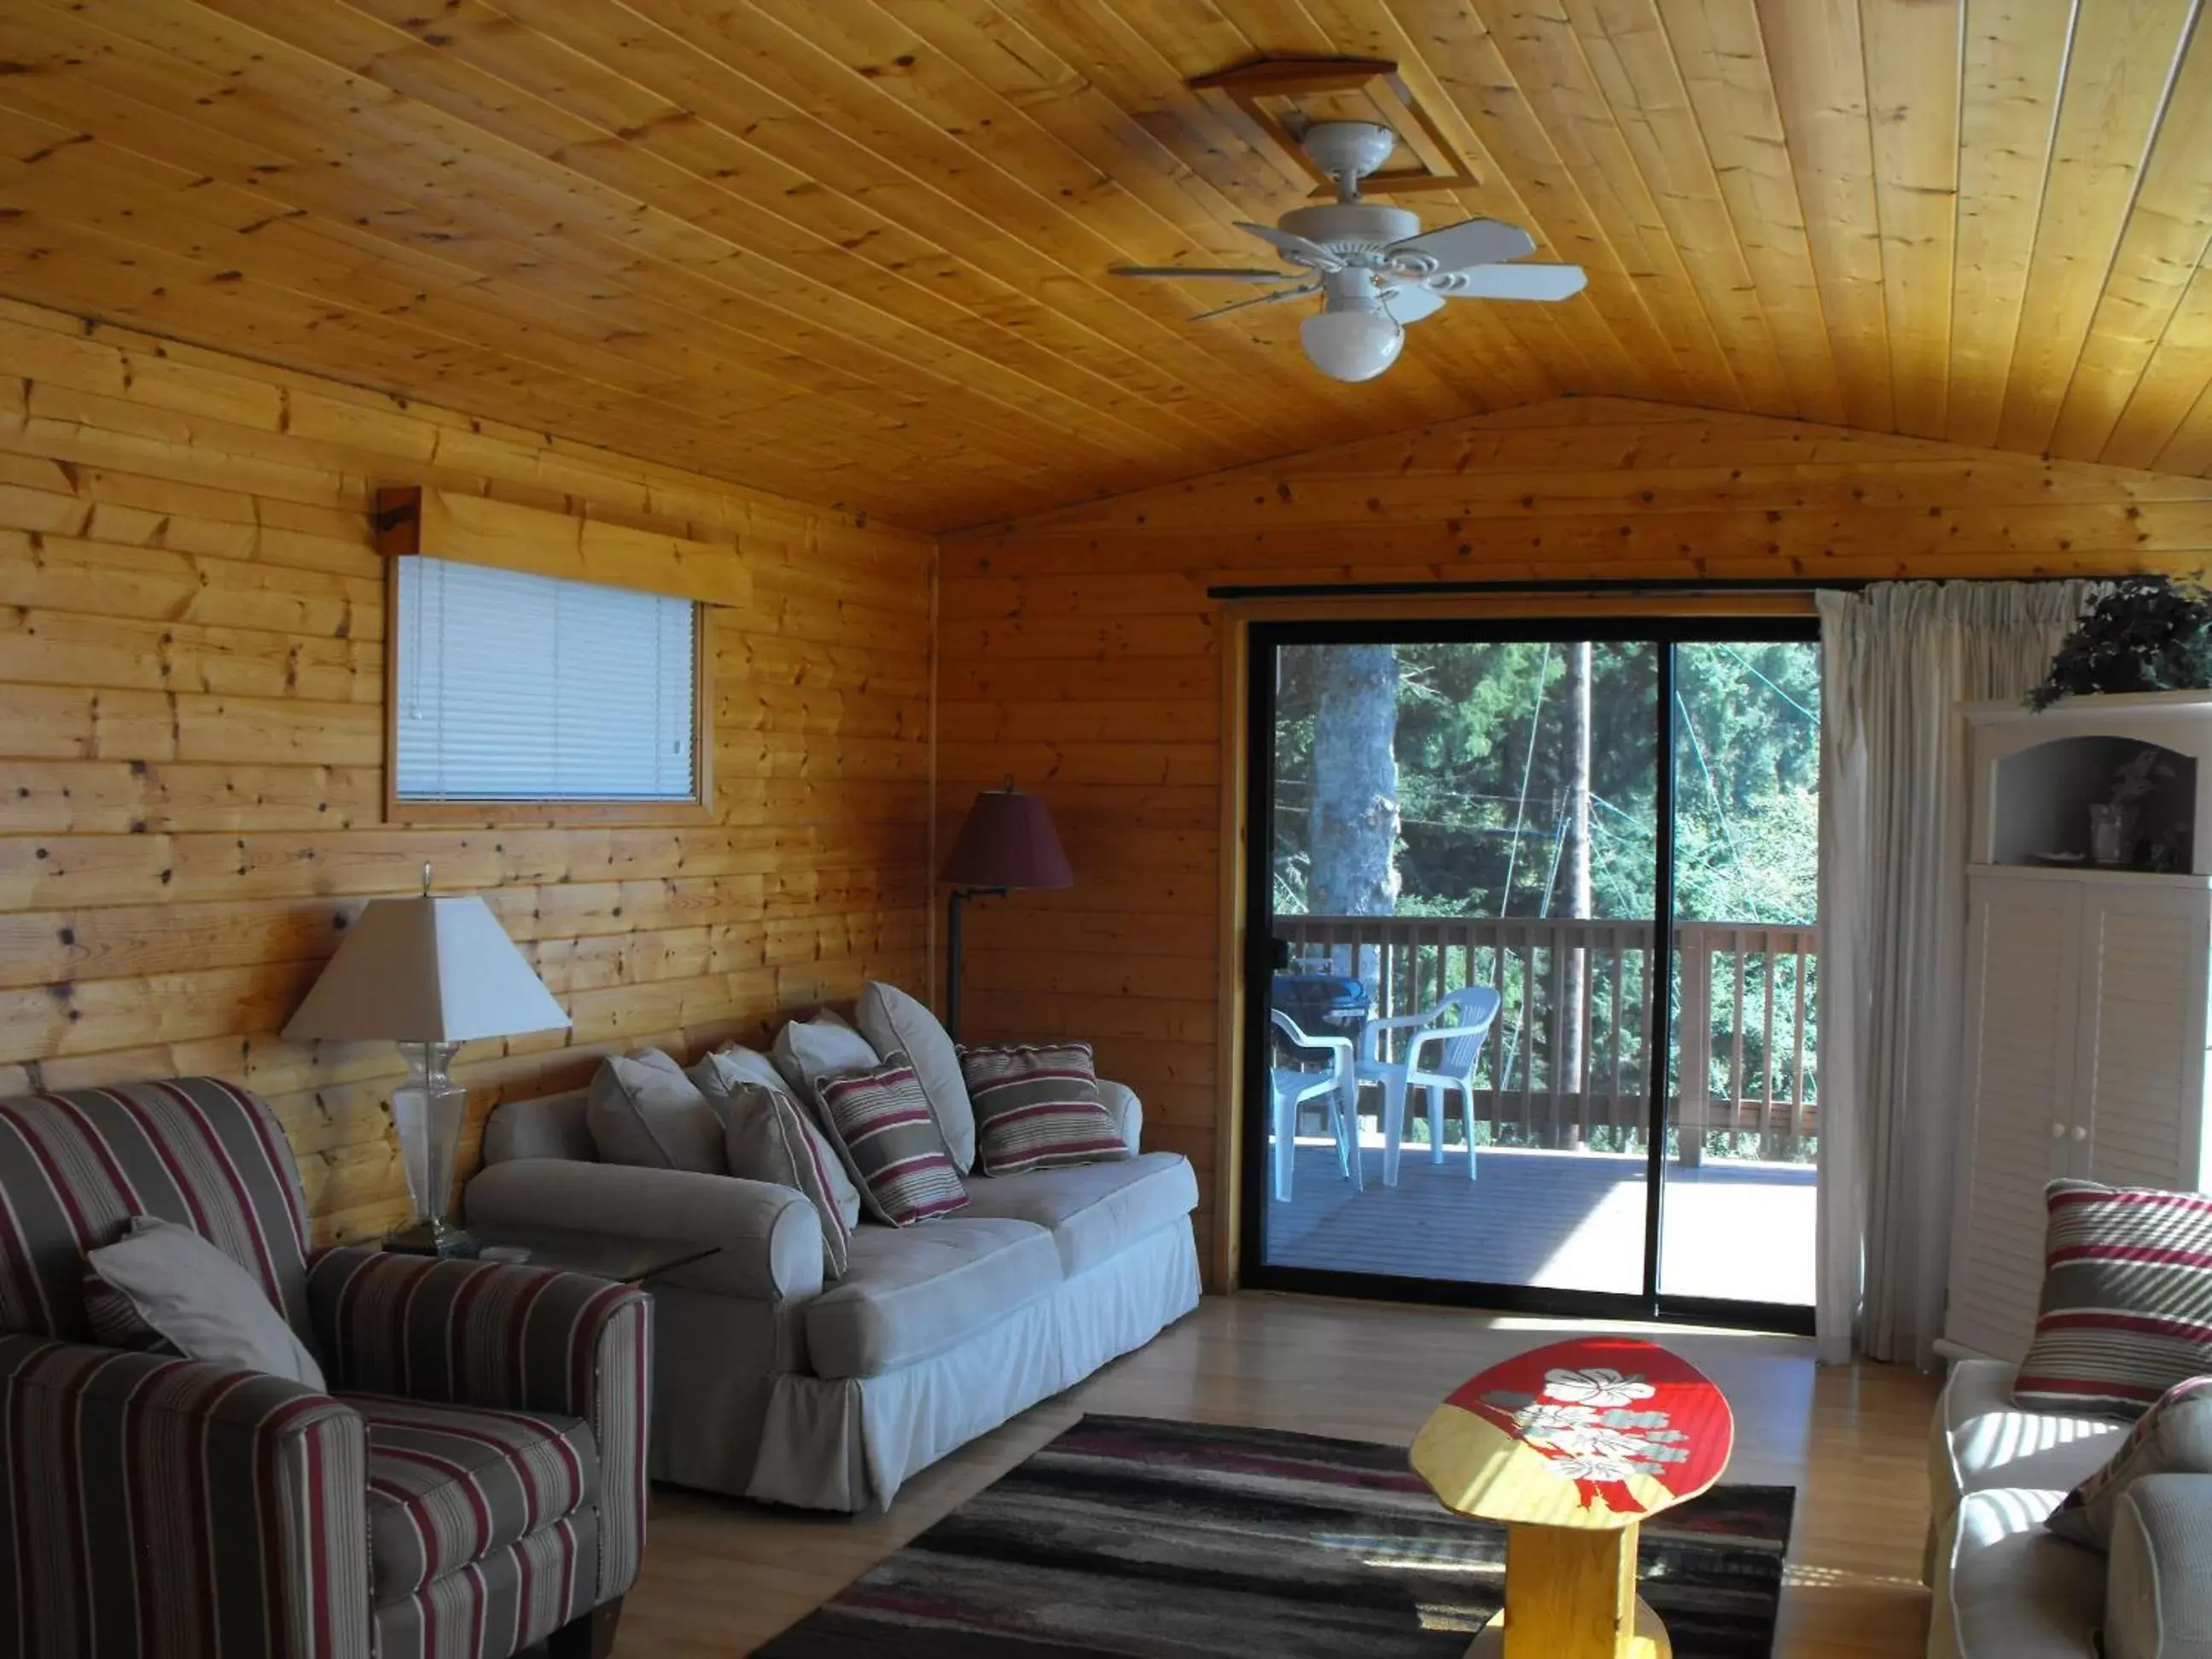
(1284, 96)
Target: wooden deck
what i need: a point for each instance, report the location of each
(1562, 1220)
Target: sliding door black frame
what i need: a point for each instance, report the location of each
(1651, 1304)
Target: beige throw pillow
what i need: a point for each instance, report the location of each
(894, 1023)
(642, 1110)
(725, 1077)
(771, 1139)
(808, 1049)
(207, 1305)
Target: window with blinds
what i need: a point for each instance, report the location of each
(515, 687)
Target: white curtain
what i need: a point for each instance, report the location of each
(1897, 660)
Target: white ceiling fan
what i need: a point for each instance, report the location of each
(1376, 269)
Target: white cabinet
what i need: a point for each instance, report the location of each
(2085, 1006)
(2085, 1057)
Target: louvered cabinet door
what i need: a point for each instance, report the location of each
(2139, 1109)
(2023, 1006)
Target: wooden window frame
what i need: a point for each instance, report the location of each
(483, 812)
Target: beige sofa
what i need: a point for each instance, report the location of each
(768, 1384)
(2007, 1589)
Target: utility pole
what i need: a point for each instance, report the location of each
(1572, 1064)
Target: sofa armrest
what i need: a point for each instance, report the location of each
(506, 1338)
(2158, 1578)
(1123, 1105)
(767, 1239)
(108, 1453)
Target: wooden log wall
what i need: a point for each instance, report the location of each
(191, 747)
(1078, 650)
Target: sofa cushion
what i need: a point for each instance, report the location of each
(644, 1111)
(450, 1485)
(727, 1070)
(894, 1023)
(880, 1122)
(1037, 1107)
(805, 1049)
(1990, 1442)
(2174, 1436)
(1093, 1211)
(2126, 1310)
(911, 1292)
(2013, 1590)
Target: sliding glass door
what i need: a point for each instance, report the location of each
(1472, 996)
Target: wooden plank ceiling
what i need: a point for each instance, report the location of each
(857, 253)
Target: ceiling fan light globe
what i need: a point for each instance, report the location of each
(1352, 345)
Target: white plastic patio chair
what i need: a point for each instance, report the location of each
(1437, 1057)
(1293, 1087)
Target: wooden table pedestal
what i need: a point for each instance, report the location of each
(1571, 1594)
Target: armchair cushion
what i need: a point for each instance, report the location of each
(450, 1485)
(503, 1338)
(266, 1477)
(204, 1303)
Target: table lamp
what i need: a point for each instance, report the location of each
(1006, 842)
(428, 974)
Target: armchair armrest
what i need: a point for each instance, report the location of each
(1127, 1111)
(1370, 1034)
(768, 1238)
(262, 1482)
(2158, 1599)
(506, 1337)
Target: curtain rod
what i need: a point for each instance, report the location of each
(1416, 589)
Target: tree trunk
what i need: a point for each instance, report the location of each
(1575, 868)
(1353, 841)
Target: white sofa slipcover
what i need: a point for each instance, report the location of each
(2005, 1588)
(768, 1384)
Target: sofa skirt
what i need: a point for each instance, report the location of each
(851, 1443)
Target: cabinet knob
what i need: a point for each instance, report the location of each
(2057, 1130)
(2080, 1132)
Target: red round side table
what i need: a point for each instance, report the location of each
(1572, 1446)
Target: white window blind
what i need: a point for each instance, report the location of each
(516, 687)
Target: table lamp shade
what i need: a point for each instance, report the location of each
(1007, 841)
(425, 971)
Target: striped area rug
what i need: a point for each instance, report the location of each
(1129, 1535)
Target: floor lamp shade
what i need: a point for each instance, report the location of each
(1006, 842)
(428, 974)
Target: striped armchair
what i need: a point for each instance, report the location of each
(473, 1484)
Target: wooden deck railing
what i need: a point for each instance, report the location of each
(1572, 1050)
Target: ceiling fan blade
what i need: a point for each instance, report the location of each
(1470, 242)
(1206, 273)
(1410, 302)
(1510, 283)
(1261, 299)
(1297, 246)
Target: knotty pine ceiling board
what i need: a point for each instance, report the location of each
(857, 251)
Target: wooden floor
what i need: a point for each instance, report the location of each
(721, 1576)
(1737, 1230)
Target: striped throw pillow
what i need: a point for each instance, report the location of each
(2174, 1436)
(768, 1139)
(1037, 1108)
(881, 1122)
(2127, 1299)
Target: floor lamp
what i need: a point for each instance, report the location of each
(1007, 842)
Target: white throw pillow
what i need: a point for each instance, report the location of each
(894, 1023)
(642, 1110)
(821, 1047)
(207, 1305)
(716, 1074)
(725, 1075)
(773, 1138)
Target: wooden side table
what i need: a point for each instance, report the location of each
(1572, 1446)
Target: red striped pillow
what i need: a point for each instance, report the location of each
(2127, 1299)
(889, 1138)
(1037, 1108)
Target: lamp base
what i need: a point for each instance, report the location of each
(440, 1238)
